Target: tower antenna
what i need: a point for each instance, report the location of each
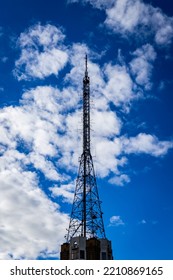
(86, 237)
(86, 65)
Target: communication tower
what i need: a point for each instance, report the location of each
(86, 237)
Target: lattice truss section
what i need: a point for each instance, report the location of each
(86, 217)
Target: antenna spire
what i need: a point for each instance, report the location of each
(86, 65)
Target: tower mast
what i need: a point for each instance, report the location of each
(86, 221)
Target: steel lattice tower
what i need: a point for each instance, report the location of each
(86, 217)
(86, 235)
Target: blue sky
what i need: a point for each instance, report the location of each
(42, 50)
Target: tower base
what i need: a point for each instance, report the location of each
(81, 248)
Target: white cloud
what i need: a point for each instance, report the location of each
(162, 25)
(141, 65)
(106, 123)
(116, 221)
(119, 86)
(45, 166)
(42, 52)
(96, 3)
(46, 36)
(42, 118)
(128, 15)
(64, 190)
(28, 218)
(107, 152)
(146, 143)
(120, 180)
(124, 14)
(133, 17)
(31, 127)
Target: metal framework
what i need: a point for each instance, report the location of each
(86, 216)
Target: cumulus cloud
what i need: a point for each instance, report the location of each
(119, 86)
(42, 52)
(29, 139)
(146, 143)
(142, 65)
(106, 156)
(116, 221)
(120, 180)
(112, 154)
(106, 123)
(66, 191)
(28, 218)
(124, 14)
(127, 16)
(40, 45)
(162, 26)
(133, 17)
